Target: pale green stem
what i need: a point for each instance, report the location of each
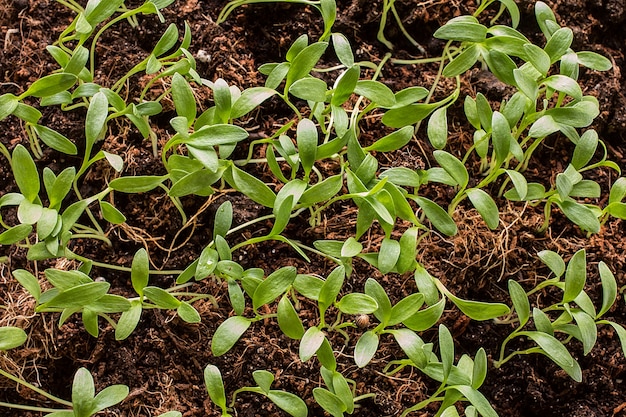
(34, 388)
(72, 256)
(30, 407)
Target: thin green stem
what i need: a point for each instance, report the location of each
(30, 407)
(72, 256)
(34, 388)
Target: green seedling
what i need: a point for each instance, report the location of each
(543, 104)
(54, 225)
(75, 292)
(262, 292)
(338, 398)
(577, 316)
(459, 382)
(286, 401)
(326, 293)
(410, 314)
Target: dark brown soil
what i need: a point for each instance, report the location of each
(163, 360)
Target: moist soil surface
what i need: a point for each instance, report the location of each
(163, 360)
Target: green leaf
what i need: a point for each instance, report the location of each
(405, 308)
(485, 206)
(49, 85)
(250, 186)
(479, 371)
(526, 84)
(355, 303)
(306, 138)
(8, 104)
(273, 286)
(427, 318)
(11, 337)
(412, 345)
(553, 261)
(311, 341)
(377, 292)
(309, 286)
(376, 92)
(161, 298)
(218, 134)
(322, 191)
(304, 62)
(408, 250)
(501, 136)
(288, 320)
(351, 248)
(520, 302)
(585, 149)
(329, 402)
(477, 399)
(542, 322)
(223, 219)
(544, 14)
(28, 281)
(559, 43)
(215, 386)
(388, 255)
(609, 288)
(137, 184)
(463, 62)
(365, 348)
(408, 114)
(501, 65)
(111, 214)
(479, 310)
(519, 182)
(188, 313)
(393, 141)
(453, 167)
(228, 333)
(462, 29)
(110, 396)
(184, 100)
(309, 88)
(588, 330)
(342, 48)
(25, 173)
(439, 217)
(583, 216)
(290, 403)
(55, 140)
(263, 379)
(557, 352)
(332, 286)
(342, 390)
(575, 276)
(29, 213)
(96, 119)
(97, 11)
(594, 61)
(223, 100)
(446, 350)
(249, 100)
(83, 393)
(438, 128)
(167, 40)
(564, 84)
(78, 296)
(538, 58)
(345, 84)
(128, 320)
